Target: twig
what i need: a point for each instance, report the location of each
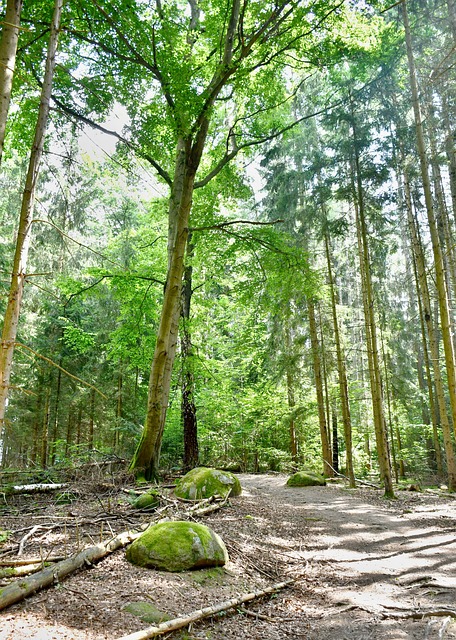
(28, 535)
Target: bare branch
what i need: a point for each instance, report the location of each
(54, 364)
(222, 225)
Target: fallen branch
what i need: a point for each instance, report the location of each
(20, 589)
(25, 561)
(178, 623)
(42, 487)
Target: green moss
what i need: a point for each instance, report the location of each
(148, 500)
(7, 572)
(4, 535)
(204, 482)
(178, 546)
(208, 576)
(306, 479)
(147, 612)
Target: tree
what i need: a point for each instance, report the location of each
(24, 232)
(8, 48)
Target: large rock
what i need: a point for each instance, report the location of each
(306, 479)
(178, 546)
(204, 482)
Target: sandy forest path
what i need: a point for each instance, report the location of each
(370, 557)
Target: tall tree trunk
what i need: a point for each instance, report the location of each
(91, 420)
(147, 456)
(24, 233)
(342, 373)
(436, 247)
(381, 436)
(189, 418)
(8, 48)
(335, 441)
(291, 394)
(433, 345)
(326, 453)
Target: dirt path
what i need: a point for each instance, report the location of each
(372, 554)
(357, 561)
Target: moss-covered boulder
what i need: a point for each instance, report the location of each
(306, 479)
(204, 482)
(178, 546)
(148, 500)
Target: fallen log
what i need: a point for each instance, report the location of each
(199, 614)
(32, 488)
(20, 589)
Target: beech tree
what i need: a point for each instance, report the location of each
(8, 48)
(211, 81)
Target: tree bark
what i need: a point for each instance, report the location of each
(11, 319)
(8, 48)
(290, 393)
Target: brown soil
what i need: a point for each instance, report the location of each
(360, 563)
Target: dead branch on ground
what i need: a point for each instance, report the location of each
(178, 623)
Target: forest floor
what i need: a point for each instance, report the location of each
(362, 566)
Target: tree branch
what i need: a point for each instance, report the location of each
(222, 225)
(54, 364)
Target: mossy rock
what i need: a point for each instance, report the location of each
(204, 482)
(306, 479)
(148, 500)
(147, 612)
(178, 546)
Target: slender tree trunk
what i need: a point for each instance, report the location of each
(326, 453)
(291, 394)
(433, 345)
(388, 395)
(189, 418)
(450, 148)
(8, 48)
(55, 421)
(436, 247)
(119, 408)
(335, 441)
(24, 233)
(342, 373)
(45, 429)
(91, 420)
(381, 436)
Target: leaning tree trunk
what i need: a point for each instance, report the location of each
(147, 455)
(342, 372)
(24, 233)
(436, 246)
(325, 448)
(8, 48)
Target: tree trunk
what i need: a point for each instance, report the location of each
(433, 345)
(381, 436)
(24, 233)
(342, 373)
(147, 456)
(436, 247)
(326, 453)
(189, 419)
(291, 394)
(335, 442)
(8, 48)
(91, 420)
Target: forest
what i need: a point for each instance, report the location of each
(228, 241)
(236, 248)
